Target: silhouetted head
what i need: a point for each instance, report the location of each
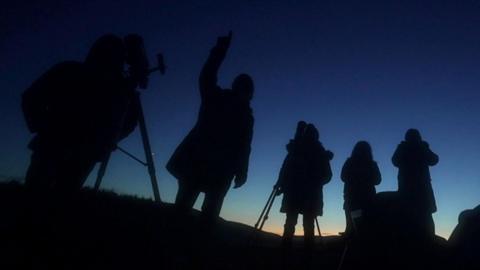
(301, 125)
(413, 135)
(311, 133)
(243, 86)
(362, 151)
(107, 54)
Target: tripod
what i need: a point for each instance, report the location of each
(148, 156)
(146, 143)
(266, 210)
(264, 215)
(355, 215)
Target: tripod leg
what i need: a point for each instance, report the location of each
(101, 172)
(148, 152)
(265, 208)
(268, 209)
(253, 238)
(344, 254)
(322, 243)
(318, 227)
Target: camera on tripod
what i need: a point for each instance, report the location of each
(139, 67)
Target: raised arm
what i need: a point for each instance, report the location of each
(208, 75)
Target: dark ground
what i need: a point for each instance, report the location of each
(107, 231)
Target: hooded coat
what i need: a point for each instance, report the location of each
(360, 178)
(304, 172)
(414, 182)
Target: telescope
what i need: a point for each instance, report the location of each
(139, 68)
(138, 72)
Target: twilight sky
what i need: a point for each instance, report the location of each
(359, 70)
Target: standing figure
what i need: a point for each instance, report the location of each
(217, 149)
(78, 112)
(360, 174)
(304, 172)
(413, 158)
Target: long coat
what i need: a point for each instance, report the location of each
(360, 178)
(414, 181)
(304, 172)
(218, 147)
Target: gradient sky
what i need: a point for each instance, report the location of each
(359, 70)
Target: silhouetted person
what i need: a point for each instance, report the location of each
(465, 240)
(217, 149)
(78, 112)
(413, 158)
(304, 172)
(360, 174)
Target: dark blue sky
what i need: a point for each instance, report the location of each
(359, 70)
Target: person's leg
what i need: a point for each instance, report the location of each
(35, 225)
(84, 168)
(74, 170)
(187, 194)
(348, 220)
(289, 229)
(309, 229)
(213, 202)
(41, 171)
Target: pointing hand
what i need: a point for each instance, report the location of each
(224, 41)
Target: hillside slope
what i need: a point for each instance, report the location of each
(106, 231)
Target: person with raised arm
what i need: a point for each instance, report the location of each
(217, 149)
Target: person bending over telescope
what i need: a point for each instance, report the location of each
(304, 172)
(217, 149)
(78, 112)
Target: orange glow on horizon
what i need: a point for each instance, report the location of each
(299, 231)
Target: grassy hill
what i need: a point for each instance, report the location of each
(103, 230)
